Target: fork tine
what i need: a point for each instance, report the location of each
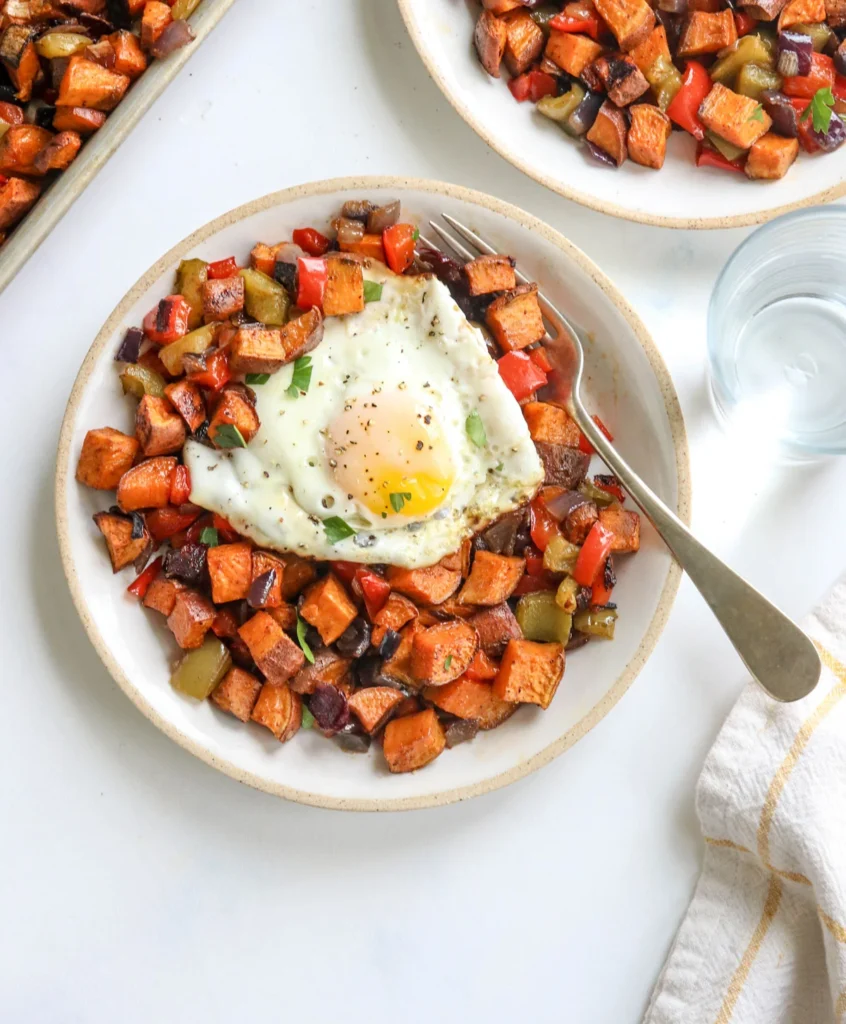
(452, 242)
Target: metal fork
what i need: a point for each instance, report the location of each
(781, 658)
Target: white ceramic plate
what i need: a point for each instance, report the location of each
(632, 391)
(680, 195)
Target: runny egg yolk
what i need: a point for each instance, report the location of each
(389, 454)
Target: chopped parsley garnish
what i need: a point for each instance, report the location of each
(820, 110)
(398, 500)
(301, 640)
(476, 429)
(209, 537)
(228, 435)
(416, 234)
(447, 661)
(757, 114)
(308, 718)
(372, 291)
(498, 467)
(301, 379)
(337, 529)
(257, 378)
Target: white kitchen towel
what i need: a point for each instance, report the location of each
(764, 939)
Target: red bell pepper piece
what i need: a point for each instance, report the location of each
(311, 282)
(522, 376)
(707, 157)
(519, 87)
(398, 241)
(540, 359)
(168, 321)
(821, 77)
(225, 531)
(684, 108)
(610, 488)
(542, 524)
(533, 85)
(532, 584)
(216, 373)
(165, 523)
(599, 593)
(312, 241)
(180, 487)
(579, 18)
(141, 584)
(744, 22)
(839, 88)
(585, 445)
(345, 570)
(374, 588)
(222, 268)
(591, 560)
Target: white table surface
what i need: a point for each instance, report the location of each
(137, 884)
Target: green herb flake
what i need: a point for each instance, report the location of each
(372, 291)
(337, 529)
(757, 114)
(301, 379)
(499, 466)
(447, 661)
(476, 429)
(257, 378)
(308, 718)
(416, 234)
(301, 640)
(209, 537)
(228, 435)
(819, 110)
(398, 500)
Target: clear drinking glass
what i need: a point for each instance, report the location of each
(777, 334)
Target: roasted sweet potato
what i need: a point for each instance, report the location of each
(285, 614)
(328, 669)
(263, 562)
(394, 614)
(443, 652)
(771, 156)
(102, 52)
(234, 409)
(187, 398)
(431, 585)
(835, 13)
(301, 335)
(797, 12)
(222, 298)
(524, 41)
(496, 626)
(78, 119)
(299, 572)
(413, 741)
(571, 52)
(230, 571)
(649, 130)
(257, 349)
(190, 619)
(130, 59)
(653, 46)
(492, 579)
(625, 526)
(515, 319)
(707, 33)
(159, 429)
(86, 84)
(59, 153)
(18, 56)
(263, 257)
(117, 530)
(631, 21)
(276, 655)
(490, 38)
(146, 485)
(237, 693)
(161, 594)
(154, 21)
(373, 705)
(530, 672)
(488, 274)
(16, 198)
(398, 666)
(19, 148)
(482, 668)
(471, 699)
(344, 287)
(106, 455)
(279, 709)
(551, 424)
(620, 77)
(735, 118)
(609, 132)
(563, 465)
(328, 607)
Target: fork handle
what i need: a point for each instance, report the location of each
(781, 658)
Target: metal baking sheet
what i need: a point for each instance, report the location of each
(57, 199)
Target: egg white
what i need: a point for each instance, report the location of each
(414, 342)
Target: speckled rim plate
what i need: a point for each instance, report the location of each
(701, 198)
(65, 481)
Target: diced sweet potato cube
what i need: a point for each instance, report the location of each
(496, 626)
(230, 571)
(299, 572)
(18, 56)
(398, 666)
(20, 146)
(649, 131)
(237, 693)
(86, 84)
(328, 669)
(771, 156)
(302, 335)
(17, 197)
(551, 424)
(154, 21)
(471, 699)
(130, 59)
(625, 526)
(123, 547)
(609, 132)
(515, 318)
(102, 52)
(78, 119)
(222, 298)
(279, 709)
(372, 705)
(492, 579)
(190, 619)
(443, 652)
(621, 78)
(563, 465)
(146, 485)
(524, 41)
(835, 13)
(106, 455)
(707, 33)
(571, 51)
(161, 594)
(187, 398)
(482, 668)
(275, 653)
(263, 562)
(413, 741)
(344, 287)
(631, 21)
(234, 409)
(263, 257)
(285, 614)
(159, 429)
(488, 274)
(490, 37)
(797, 12)
(393, 614)
(530, 672)
(653, 46)
(431, 585)
(328, 607)
(59, 153)
(257, 349)
(735, 118)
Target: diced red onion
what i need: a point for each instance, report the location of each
(383, 217)
(673, 6)
(582, 118)
(353, 742)
(357, 209)
(839, 59)
(788, 63)
(460, 731)
(130, 347)
(260, 589)
(801, 45)
(563, 504)
(329, 707)
(600, 154)
(349, 231)
(783, 113)
(833, 138)
(177, 34)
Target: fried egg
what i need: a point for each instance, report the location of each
(406, 435)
